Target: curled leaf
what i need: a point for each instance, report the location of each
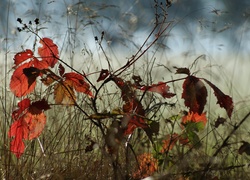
(224, 101)
(194, 94)
(161, 88)
(219, 121)
(61, 70)
(244, 148)
(132, 108)
(182, 71)
(104, 73)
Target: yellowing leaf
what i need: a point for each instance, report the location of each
(64, 93)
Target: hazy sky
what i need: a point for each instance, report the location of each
(210, 27)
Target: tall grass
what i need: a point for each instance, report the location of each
(73, 146)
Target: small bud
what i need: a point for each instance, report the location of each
(19, 20)
(19, 29)
(36, 21)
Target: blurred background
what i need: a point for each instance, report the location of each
(216, 31)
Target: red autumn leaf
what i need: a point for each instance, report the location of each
(224, 101)
(35, 124)
(39, 106)
(48, 52)
(17, 145)
(31, 73)
(161, 88)
(28, 56)
(134, 122)
(61, 70)
(23, 79)
(27, 125)
(104, 73)
(40, 64)
(195, 117)
(64, 93)
(78, 83)
(194, 94)
(22, 107)
(22, 56)
(133, 109)
(19, 83)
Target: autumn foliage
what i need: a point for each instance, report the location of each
(29, 118)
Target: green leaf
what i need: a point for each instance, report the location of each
(194, 139)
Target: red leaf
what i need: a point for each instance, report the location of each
(31, 73)
(79, 83)
(27, 125)
(40, 64)
(17, 146)
(224, 101)
(39, 106)
(104, 73)
(133, 122)
(195, 117)
(22, 56)
(161, 88)
(36, 124)
(48, 52)
(61, 70)
(194, 94)
(133, 109)
(19, 83)
(18, 130)
(22, 106)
